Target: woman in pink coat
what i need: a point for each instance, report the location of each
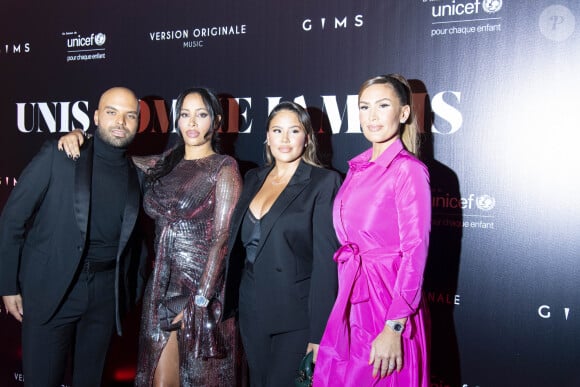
(375, 335)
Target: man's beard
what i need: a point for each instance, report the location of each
(113, 141)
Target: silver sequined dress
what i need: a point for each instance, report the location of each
(192, 207)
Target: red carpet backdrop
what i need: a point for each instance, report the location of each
(497, 84)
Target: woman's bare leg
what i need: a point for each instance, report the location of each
(167, 371)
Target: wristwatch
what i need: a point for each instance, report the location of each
(201, 301)
(396, 326)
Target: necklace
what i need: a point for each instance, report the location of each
(278, 181)
(282, 178)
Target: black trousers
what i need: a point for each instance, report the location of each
(273, 359)
(82, 326)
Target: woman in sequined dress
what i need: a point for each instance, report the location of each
(192, 193)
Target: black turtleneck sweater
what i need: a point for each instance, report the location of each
(108, 197)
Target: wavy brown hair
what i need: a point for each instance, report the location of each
(310, 154)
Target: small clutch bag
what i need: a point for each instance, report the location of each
(305, 371)
(169, 309)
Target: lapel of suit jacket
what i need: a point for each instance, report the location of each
(251, 188)
(82, 187)
(131, 207)
(295, 186)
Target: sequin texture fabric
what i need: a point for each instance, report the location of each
(192, 207)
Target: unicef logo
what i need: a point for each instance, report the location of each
(485, 202)
(492, 6)
(100, 39)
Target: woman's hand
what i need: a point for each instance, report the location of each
(177, 319)
(71, 143)
(386, 353)
(313, 347)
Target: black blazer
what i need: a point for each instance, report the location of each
(296, 277)
(43, 230)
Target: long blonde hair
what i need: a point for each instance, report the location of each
(408, 131)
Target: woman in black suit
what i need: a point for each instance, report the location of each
(281, 278)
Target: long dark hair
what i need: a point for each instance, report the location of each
(173, 157)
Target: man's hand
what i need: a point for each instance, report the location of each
(13, 305)
(71, 143)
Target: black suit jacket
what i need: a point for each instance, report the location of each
(296, 277)
(43, 233)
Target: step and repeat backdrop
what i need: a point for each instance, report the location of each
(496, 84)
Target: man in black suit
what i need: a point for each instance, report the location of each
(71, 263)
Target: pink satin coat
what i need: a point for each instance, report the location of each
(382, 216)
